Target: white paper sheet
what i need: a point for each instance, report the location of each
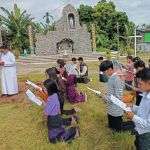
(96, 92)
(33, 98)
(119, 103)
(33, 85)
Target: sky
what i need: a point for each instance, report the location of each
(138, 11)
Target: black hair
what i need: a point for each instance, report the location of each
(4, 46)
(144, 74)
(135, 59)
(105, 65)
(139, 63)
(51, 86)
(52, 73)
(130, 57)
(80, 58)
(100, 58)
(73, 59)
(61, 63)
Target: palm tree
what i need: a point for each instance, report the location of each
(16, 22)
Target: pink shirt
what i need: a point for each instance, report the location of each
(130, 72)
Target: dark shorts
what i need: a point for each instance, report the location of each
(115, 123)
(142, 141)
(61, 134)
(83, 79)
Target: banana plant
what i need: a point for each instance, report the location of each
(16, 23)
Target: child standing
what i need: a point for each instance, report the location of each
(56, 130)
(141, 114)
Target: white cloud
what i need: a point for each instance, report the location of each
(137, 10)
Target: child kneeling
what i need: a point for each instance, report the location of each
(56, 130)
(141, 114)
(73, 94)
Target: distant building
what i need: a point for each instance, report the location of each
(144, 45)
(69, 36)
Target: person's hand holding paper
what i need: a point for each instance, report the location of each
(33, 98)
(130, 115)
(121, 104)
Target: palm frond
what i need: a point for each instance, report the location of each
(5, 11)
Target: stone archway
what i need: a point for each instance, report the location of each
(65, 46)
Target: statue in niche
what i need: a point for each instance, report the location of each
(71, 21)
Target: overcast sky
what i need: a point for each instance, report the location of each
(137, 10)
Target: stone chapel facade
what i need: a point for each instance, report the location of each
(69, 36)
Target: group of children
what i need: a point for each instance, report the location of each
(60, 86)
(118, 79)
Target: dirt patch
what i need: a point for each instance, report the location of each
(21, 97)
(16, 98)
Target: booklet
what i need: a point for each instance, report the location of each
(33, 98)
(96, 92)
(33, 85)
(119, 103)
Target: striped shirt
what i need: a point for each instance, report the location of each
(115, 88)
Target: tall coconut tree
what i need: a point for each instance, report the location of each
(16, 22)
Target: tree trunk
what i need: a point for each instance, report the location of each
(17, 53)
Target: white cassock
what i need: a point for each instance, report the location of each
(9, 83)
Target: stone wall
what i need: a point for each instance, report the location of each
(47, 44)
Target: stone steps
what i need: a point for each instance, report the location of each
(53, 58)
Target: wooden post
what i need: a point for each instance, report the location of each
(31, 39)
(135, 42)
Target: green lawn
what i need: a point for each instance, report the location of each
(22, 126)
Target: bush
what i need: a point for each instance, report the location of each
(108, 54)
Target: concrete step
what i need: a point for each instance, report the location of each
(53, 58)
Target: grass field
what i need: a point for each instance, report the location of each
(22, 126)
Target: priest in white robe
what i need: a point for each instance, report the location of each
(9, 85)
